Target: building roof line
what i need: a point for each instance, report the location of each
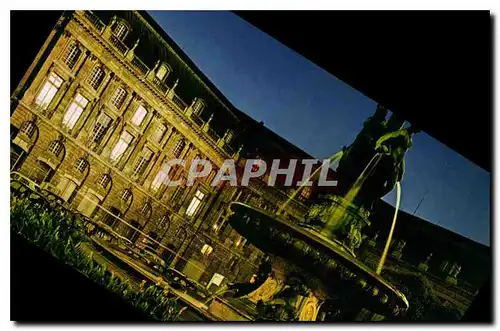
(175, 49)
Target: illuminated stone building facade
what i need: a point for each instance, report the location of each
(109, 99)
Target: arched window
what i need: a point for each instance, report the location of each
(104, 180)
(56, 147)
(126, 195)
(181, 234)
(28, 128)
(146, 210)
(81, 165)
(163, 224)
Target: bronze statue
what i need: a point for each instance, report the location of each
(382, 143)
(390, 167)
(357, 156)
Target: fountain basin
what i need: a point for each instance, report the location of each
(327, 260)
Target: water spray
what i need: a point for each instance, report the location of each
(332, 158)
(389, 238)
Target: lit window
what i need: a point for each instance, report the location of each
(121, 146)
(159, 132)
(178, 147)
(139, 115)
(118, 97)
(195, 203)
(104, 180)
(120, 30)
(198, 107)
(142, 162)
(71, 55)
(48, 91)
(160, 179)
(28, 128)
(206, 250)
(306, 192)
(100, 128)
(162, 72)
(74, 111)
(55, 147)
(81, 165)
(96, 77)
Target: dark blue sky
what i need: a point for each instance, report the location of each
(320, 114)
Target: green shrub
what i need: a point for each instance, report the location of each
(59, 232)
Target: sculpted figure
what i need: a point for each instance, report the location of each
(389, 169)
(361, 151)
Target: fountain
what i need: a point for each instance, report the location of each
(311, 271)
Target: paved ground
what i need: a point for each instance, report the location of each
(196, 310)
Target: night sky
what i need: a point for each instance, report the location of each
(320, 114)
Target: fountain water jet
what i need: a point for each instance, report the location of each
(332, 158)
(389, 238)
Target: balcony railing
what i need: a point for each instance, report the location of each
(160, 85)
(118, 44)
(139, 65)
(213, 134)
(178, 101)
(96, 22)
(197, 119)
(229, 150)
